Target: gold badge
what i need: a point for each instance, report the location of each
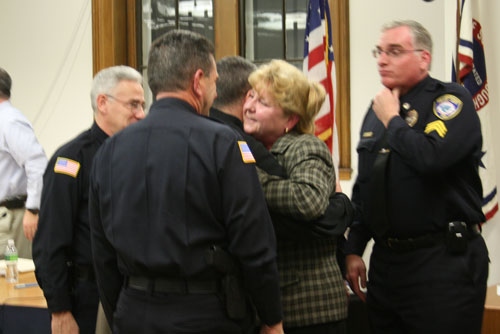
(447, 106)
(411, 117)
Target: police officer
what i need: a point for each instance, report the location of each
(168, 192)
(22, 162)
(232, 89)
(418, 194)
(61, 248)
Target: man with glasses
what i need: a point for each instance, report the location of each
(61, 248)
(418, 195)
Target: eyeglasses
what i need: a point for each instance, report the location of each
(134, 106)
(393, 53)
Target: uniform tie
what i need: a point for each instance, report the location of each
(377, 214)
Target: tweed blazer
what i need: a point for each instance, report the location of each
(312, 286)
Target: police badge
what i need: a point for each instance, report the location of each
(411, 117)
(447, 106)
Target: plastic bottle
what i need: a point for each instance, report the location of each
(11, 274)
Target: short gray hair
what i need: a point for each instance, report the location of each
(421, 37)
(5, 84)
(175, 57)
(107, 79)
(232, 84)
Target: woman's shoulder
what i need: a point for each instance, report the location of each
(301, 146)
(308, 142)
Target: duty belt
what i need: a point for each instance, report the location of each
(16, 202)
(173, 285)
(425, 241)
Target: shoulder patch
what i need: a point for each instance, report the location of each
(447, 106)
(67, 166)
(246, 153)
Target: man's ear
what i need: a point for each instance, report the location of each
(101, 102)
(197, 83)
(426, 58)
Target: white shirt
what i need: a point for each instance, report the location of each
(22, 158)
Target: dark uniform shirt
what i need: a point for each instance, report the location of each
(63, 235)
(164, 190)
(433, 169)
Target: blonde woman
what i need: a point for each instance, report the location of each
(279, 111)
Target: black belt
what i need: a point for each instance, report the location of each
(425, 241)
(173, 285)
(14, 202)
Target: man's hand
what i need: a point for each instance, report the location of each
(64, 323)
(30, 224)
(356, 274)
(386, 105)
(274, 329)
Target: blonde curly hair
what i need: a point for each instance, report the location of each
(292, 90)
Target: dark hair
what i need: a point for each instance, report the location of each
(175, 57)
(232, 84)
(5, 84)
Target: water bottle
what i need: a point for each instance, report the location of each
(11, 274)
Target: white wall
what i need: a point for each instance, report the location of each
(46, 46)
(366, 19)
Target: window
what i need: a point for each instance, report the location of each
(274, 29)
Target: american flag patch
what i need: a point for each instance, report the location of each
(67, 166)
(246, 154)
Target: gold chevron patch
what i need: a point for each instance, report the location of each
(437, 126)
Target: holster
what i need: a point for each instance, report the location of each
(235, 297)
(457, 237)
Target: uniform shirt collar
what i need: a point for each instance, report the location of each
(97, 133)
(226, 118)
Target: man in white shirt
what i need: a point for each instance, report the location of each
(22, 164)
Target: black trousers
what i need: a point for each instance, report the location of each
(85, 304)
(142, 312)
(429, 290)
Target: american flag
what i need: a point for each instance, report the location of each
(66, 166)
(319, 66)
(246, 153)
(472, 75)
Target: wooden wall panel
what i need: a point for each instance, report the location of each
(113, 30)
(339, 10)
(226, 26)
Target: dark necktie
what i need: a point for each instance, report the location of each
(377, 214)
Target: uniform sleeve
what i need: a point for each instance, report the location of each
(53, 239)
(109, 278)
(250, 232)
(359, 233)
(446, 139)
(28, 153)
(311, 180)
